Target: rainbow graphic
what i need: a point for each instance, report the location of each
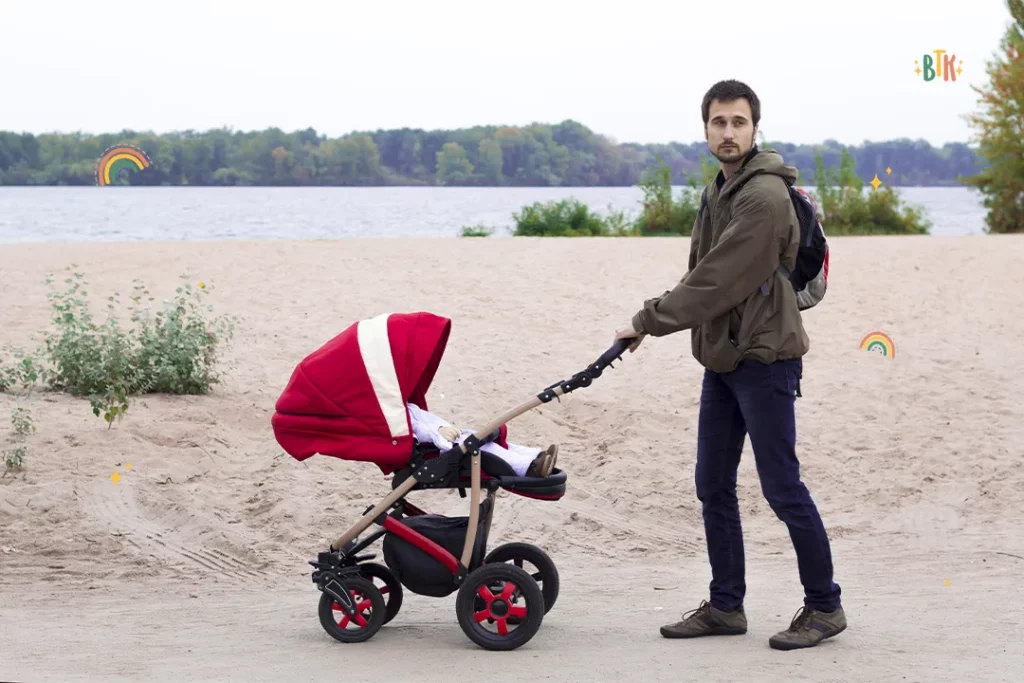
(117, 159)
(880, 343)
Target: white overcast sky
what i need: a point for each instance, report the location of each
(633, 70)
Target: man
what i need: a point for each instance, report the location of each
(746, 331)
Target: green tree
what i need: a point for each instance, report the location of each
(1000, 130)
(489, 167)
(453, 166)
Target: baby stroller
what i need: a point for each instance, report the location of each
(348, 400)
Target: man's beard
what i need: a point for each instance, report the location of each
(729, 155)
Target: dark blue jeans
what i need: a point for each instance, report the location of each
(757, 399)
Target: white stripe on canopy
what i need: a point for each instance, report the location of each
(375, 348)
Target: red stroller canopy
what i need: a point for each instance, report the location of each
(348, 398)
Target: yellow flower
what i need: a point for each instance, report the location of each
(202, 285)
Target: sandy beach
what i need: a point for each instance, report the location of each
(193, 566)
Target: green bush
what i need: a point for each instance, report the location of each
(171, 351)
(477, 231)
(662, 213)
(847, 210)
(563, 218)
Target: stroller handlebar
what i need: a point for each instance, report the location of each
(614, 353)
(585, 377)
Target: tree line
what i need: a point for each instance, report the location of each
(564, 154)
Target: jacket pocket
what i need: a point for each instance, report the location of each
(717, 352)
(756, 310)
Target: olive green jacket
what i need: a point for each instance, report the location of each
(733, 299)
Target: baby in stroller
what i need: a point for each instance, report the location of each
(525, 461)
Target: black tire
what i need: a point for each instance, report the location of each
(514, 587)
(546, 574)
(392, 590)
(372, 601)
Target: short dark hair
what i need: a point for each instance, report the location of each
(728, 91)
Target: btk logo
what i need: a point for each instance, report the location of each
(942, 65)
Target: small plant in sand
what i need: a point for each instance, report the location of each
(22, 425)
(21, 422)
(21, 376)
(14, 459)
(172, 350)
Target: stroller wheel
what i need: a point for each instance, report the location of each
(507, 593)
(387, 584)
(546, 575)
(367, 622)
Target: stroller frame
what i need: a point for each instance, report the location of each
(337, 571)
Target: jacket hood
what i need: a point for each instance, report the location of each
(771, 162)
(758, 162)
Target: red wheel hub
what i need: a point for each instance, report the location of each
(499, 607)
(363, 609)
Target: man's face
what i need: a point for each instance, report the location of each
(730, 131)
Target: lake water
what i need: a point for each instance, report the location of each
(91, 214)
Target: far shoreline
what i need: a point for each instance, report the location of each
(430, 239)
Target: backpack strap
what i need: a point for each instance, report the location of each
(782, 269)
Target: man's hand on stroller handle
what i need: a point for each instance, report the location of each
(627, 333)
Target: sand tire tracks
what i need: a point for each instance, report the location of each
(161, 538)
(643, 527)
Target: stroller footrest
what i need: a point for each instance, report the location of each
(551, 487)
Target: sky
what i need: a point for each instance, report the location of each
(634, 71)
